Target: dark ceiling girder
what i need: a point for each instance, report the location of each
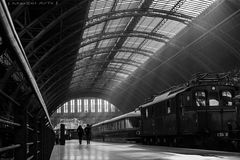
(76, 8)
(96, 71)
(17, 11)
(132, 33)
(69, 57)
(140, 12)
(86, 78)
(66, 68)
(68, 30)
(62, 78)
(112, 35)
(115, 60)
(56, 82)
(43, 17)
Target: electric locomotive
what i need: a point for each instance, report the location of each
(119, 129)
(200, 113)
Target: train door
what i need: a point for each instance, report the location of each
(187, 114)
(200, 102)
(228, 111)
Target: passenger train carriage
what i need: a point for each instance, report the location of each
(121, 129)
(199, 113)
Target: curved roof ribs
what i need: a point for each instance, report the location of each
(54, 21)
(67, 59)
(60, 73)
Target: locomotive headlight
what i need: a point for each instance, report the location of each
(213, 88)
(137, 132)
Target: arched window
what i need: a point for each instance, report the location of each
(92, 105)
(105, 106)
(99, 105)
(79, 105)
(85, 105)
(72, 106)
(59, 110)
(65, 107)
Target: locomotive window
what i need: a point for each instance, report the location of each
(213, 99)
(168, 110)
(213, 102)
(227, 98)
(200, 98)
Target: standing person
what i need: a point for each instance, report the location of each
(80, 132)
(88, 133)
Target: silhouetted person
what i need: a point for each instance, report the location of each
(88, 133)
(80, 132)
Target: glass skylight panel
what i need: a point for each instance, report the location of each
(106, 43)
(152, 45)
(133, 42)
(121, 75)
(172, 27)
(127, 4)
(93, 30)
(123, 55)
(129, 67)
(147, 24)
(114, 65)
(87, 47)
(117, 24)
(100, 6)
(139, 58)
(163, 4)
(195, 7)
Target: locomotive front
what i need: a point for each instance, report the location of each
(209, 113)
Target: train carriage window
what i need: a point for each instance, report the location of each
(122, 124)
(200, 98)
(146, 112)
(128, 124)
(168, 106)
(227, 98)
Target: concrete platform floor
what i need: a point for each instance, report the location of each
(121, 151)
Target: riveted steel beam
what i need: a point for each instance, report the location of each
(70, 57)
(16, 46)
(68, 67)
(64, 15)
(139, 12)
(107, 35)
(156, 37)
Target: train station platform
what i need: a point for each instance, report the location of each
(122, 151)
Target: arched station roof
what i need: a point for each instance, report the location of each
(125, 50)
